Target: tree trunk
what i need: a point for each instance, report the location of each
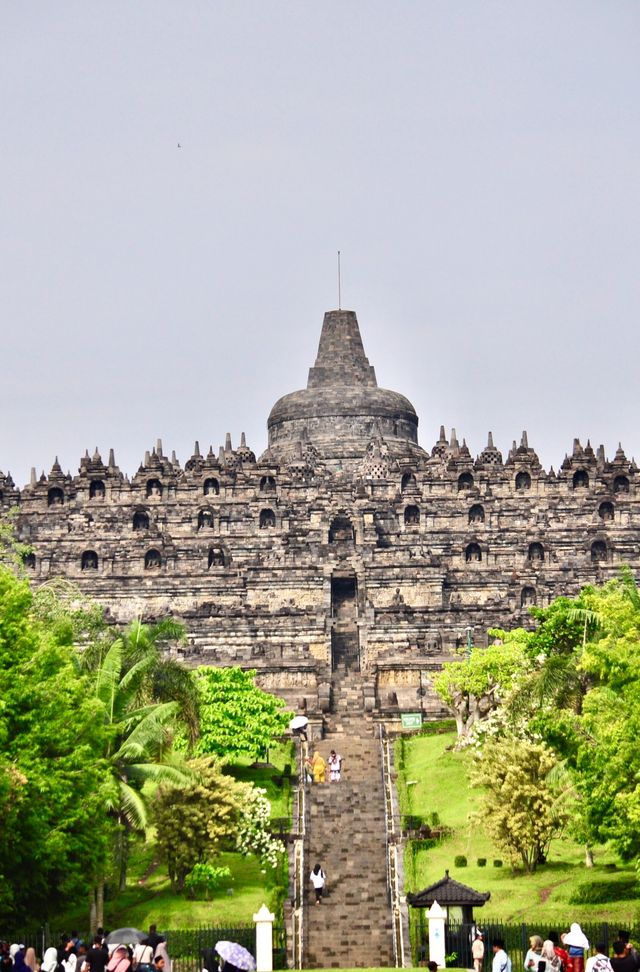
(588, 856)
(100, 903)
(93, 915)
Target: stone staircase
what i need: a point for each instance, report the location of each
(346, 836)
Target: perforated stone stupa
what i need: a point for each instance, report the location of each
(344, 545)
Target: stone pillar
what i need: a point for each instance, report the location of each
(264, 940)
(436, 916)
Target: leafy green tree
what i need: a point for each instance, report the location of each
(237, 719)
(475, 687)
(195, 822)
(54, 833)
(520, 810)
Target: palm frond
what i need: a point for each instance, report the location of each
(132, 806)
(161, 773)
(108, 678)
(149, 735)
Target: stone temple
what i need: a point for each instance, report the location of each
(346, 545)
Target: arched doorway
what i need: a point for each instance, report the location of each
(345, 643)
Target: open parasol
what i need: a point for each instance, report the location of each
(125, 936)
(236, 955)
(298, 722)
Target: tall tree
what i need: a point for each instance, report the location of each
(138, 744)
(237, 719)
(520, 809)
(54, 833)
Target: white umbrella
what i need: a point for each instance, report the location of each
(298, 722)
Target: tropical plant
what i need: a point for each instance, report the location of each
(237, 719)
(138, 747)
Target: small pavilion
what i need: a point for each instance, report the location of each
(457, 899)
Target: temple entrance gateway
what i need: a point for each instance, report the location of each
(345, 642)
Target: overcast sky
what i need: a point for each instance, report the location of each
(477, 163)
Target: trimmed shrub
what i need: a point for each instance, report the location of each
(497, 863)
(602, 892)
(459, 860)
(482, 862)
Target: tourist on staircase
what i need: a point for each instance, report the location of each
(319, 768)
(335, 766)
(318, 879)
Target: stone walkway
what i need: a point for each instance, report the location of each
(346, 835)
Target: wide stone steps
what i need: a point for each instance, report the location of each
(346, 835)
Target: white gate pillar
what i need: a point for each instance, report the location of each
(436, 916)
(264, 939)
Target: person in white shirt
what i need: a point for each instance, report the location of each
(501, 961)
(600, 961)
(318, 879)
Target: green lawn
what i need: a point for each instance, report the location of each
(441, 786)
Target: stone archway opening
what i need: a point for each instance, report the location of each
(345, 641)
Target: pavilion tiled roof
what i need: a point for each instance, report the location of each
(446, 891)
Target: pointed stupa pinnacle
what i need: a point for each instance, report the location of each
(147, 458)
(443, 436)
(196, 448)
(86, 455)
(243, 441)
(158, 448)
(453, 442)
(56, 468)
(524, 441)
(174, 458)
(34, 478)
(600, 453)
(490, 444)
(112, 459)
(210, 453)
(577, 448)
(221, 454)
(227, 443)
(96, 456)
(341, 359)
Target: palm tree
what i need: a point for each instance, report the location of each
(138, 749)
(159, 678)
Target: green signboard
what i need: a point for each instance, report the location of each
(411, 720)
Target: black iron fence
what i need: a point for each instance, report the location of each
(191, 949)
(459, 937)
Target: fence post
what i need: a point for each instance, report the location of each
(437, 916)
(264, 939)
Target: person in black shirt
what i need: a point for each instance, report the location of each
(96, 958)
(622, 961)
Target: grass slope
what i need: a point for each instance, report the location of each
(441, 785)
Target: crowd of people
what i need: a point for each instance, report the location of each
(561, 953)
(102, 955)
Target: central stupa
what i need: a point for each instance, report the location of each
(342, 409)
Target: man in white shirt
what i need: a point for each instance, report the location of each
(501, 961)
(600, 961)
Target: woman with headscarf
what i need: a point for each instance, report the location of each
(161, 951)
(50, 960)
(30, 959)
(575, 941)
(534, 954)
(119, 961)
(319, 768)
(550, 956)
